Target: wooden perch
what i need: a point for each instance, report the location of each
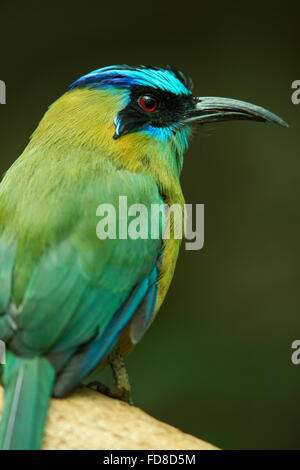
(89, 420)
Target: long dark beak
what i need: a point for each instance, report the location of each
(211, 109)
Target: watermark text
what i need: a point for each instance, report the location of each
(296, 94)
(2, 92)
(2, 352)
(137, 221)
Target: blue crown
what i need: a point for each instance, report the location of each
(124, 76)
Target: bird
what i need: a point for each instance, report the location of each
(69, 301)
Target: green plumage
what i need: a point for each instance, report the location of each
(28, 384)
(67, 297)
(61, 285)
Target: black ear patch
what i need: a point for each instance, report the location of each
(171, 110)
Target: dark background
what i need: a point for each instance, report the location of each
(216, 362)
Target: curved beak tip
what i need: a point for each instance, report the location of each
(211, 108)
(284, 123)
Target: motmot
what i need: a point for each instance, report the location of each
(69, 301)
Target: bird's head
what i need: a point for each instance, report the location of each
(119, 107)
(156, 101)
(160, 101)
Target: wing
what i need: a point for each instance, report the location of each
(82, 292)
(140, 304)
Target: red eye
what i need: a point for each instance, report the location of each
(148, 103)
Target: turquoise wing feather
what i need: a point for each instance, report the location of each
(88, 356)
(83, 292)
(80, 295)
(28, 384)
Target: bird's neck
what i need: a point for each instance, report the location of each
(78, 130)
(84, 118)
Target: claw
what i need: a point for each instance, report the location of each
(122, 390)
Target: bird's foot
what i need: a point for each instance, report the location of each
(122, 391)
(119, 393)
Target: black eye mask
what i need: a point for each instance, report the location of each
(170, 111)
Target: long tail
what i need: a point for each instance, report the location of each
(28, 384)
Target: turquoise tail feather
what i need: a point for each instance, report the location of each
(28, 384)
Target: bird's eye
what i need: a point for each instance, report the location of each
(148, 103)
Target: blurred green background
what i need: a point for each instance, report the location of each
(216, 362)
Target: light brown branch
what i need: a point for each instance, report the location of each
(90, 420)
